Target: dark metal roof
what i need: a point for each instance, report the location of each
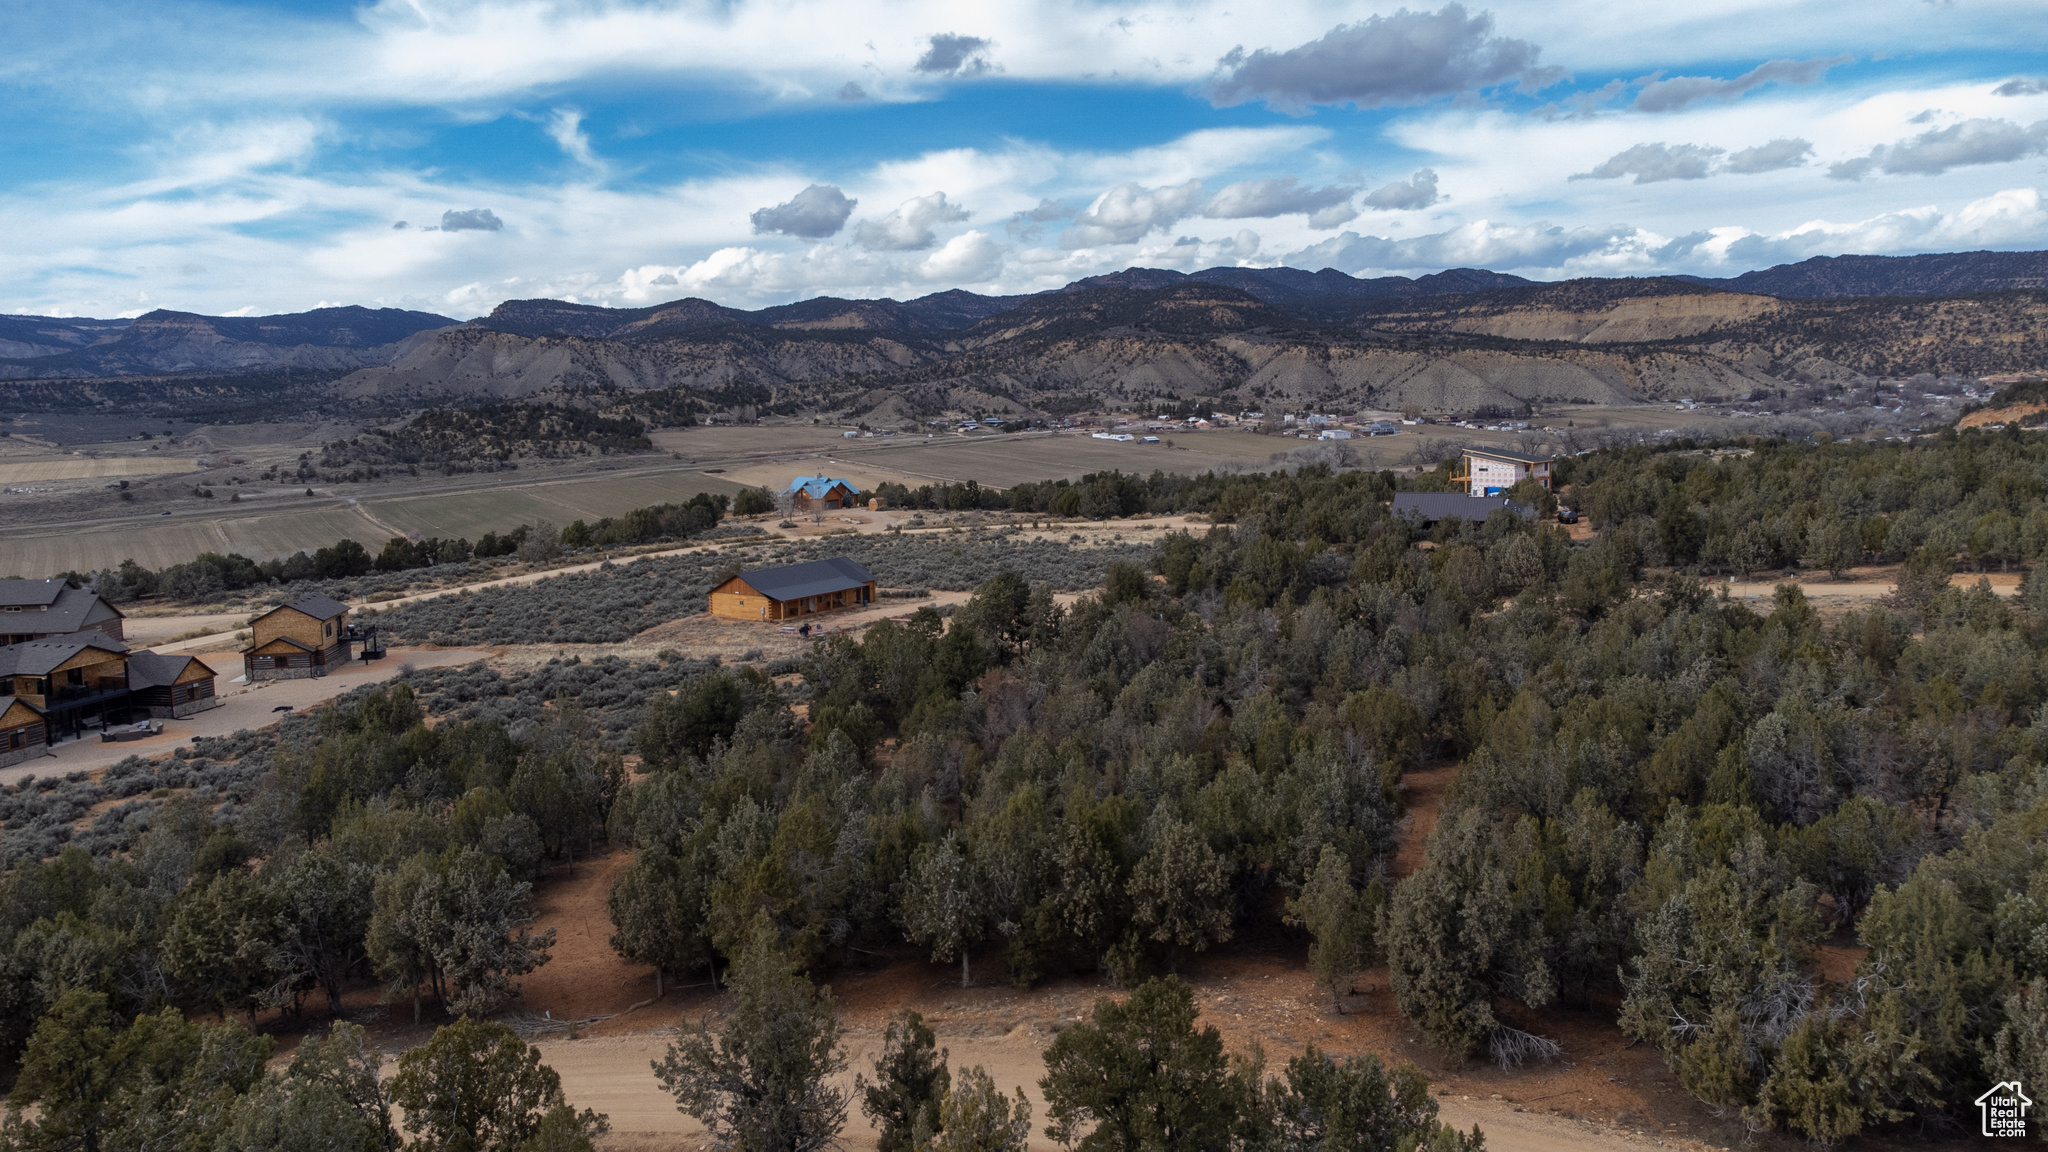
(817, 578)
(1429, 507)
(315, 605)
(38, 657)
(158, 669)
(1508, 454)
(73, 609)
(30, 593)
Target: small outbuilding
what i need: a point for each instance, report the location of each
(297, 641)
(24, 731)
(794, 590)
(170, 687)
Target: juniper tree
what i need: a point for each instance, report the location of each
(329, 1099)
(1357, 1103)
(2020, 1050)
(658, 908)
(477, 1087)
(760, 1085)
(977, 1117)
(943, 906)
(461, 922)
(911, 1082)
(323, 910)
(222, 940)
(1139, 1076)
(81, 1068)
(1341, 921)
(1180, 888)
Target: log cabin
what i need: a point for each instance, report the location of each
(308, 637)
(794, 590)
(34, 609)
(815, 493)
(68, 680)
(51, 688)
(170, 687)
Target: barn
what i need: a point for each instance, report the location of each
(794, 590)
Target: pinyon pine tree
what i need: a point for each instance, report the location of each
(761, 1084)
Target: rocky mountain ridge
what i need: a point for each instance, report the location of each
(164, 341)
(1460, 339)
(1593, 341)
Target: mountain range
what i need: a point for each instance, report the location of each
(1458, 339)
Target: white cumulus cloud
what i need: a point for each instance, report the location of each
(909, 227)
(1125, 213)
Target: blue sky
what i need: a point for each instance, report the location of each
(446, 155)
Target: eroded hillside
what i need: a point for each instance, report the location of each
(1604, 342)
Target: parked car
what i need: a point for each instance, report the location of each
(1567, 515)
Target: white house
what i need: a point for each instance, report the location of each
(1492, 471)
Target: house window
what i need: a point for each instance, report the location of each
(75, 677)
(14, 739)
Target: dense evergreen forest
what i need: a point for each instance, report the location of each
(1668, 802)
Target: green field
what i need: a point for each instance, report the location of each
(259, 535)
(744, 456)
(282, 530)
(471, 514)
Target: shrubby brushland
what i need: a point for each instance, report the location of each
(612, 604)
(1668, 804)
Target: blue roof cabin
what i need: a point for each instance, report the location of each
(809, 493)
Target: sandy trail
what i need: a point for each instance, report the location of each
(1860, 587)
(613, 1075)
